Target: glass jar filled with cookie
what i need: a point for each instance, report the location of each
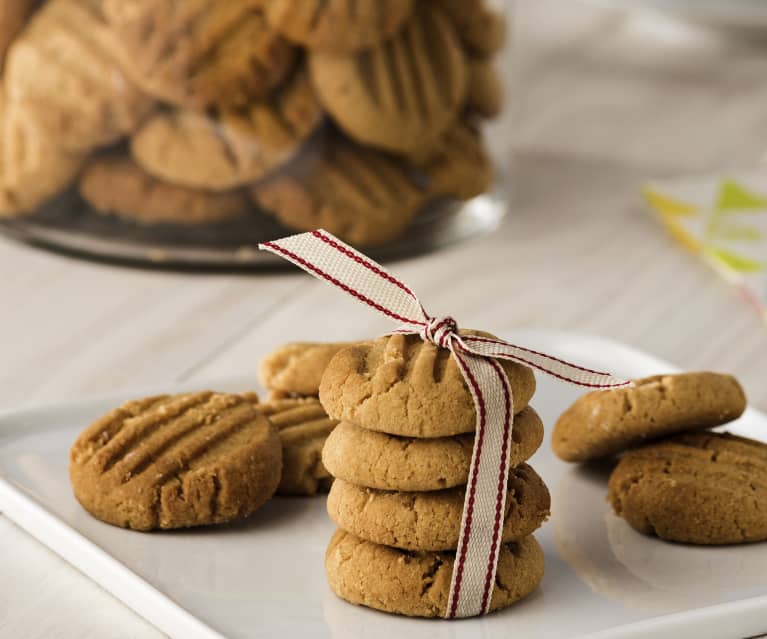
(187, 132)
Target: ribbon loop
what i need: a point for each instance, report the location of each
(327, 258)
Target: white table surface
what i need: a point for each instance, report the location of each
(602, 102)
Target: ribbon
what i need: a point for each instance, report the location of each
(328, 258)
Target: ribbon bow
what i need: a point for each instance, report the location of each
(327, 258)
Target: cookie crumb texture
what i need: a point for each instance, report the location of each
(390, 462)
(698, 488)
(603, 423)
(432, 520)
(401, 385)
(176, 461)
(417, 584)
(303, 426)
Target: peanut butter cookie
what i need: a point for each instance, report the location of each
(388, 462)
(432, 520)
(417, 584)
(401, 385)
(297, 367)
(13, 15)
(699, 488)
(458, 165)
(303, 426)
(603, 423)
(176, 461)
(200, 53)
(63, 66)
(482, 30)
(361, 195)
(485, 95)
(339, 26)
(240, 145)
(402, 94)
(116, 184)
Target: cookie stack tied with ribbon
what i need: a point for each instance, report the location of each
(434, 502)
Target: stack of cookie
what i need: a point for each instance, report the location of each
(676, 479)
(401, 458)
(292, 375)
(345, 114)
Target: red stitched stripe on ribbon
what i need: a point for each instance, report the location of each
(460, 558)
(339, 284)
(360, 260)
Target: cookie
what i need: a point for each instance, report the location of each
(361, 195)
(116, 184)
(458, 165)
(297, 367)
(602, 423)
(63, 66)
(400, 385)
(432, 520)
(33, 168)
(176, 461)
(200, 53)
(417, 584)
(482, 30)
(388, 462)
(485, 94)
(303, 426)
(236, 147)
(338, 26)
(13, 15)
(400, 95)
(699, 488)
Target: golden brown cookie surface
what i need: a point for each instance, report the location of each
(63, 66)
(116, 184)
(485, 94)
(400, 385)
(417, 584)
(603, 423)
(400, 95)
(240, 145)
(199, 53)
(700, 488)
(303, 426)
(432, 520)
(361, 195)
(13, 15)
(341, 26)
(482, 30)
(176, 461)
(297, 367)
(388, 462)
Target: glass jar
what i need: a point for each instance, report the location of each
(187, 132)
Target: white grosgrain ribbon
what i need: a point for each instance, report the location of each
(329, 259)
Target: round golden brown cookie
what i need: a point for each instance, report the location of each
(199, 53)
(603, 423)
(339, 26)
(482, 30)
(13, 15)
(63, 67)
(458, 165)
(176, 461)
(297, 367)
(402, 94)
(116, 184)
(33, 168)
(377, 384)
(699, 488)
(432, 520)
(361, 195)
(303, 426)
(388, 462)
(239, 146)
(417, 584)
(485, 95)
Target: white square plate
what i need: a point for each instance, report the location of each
(265, 577)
